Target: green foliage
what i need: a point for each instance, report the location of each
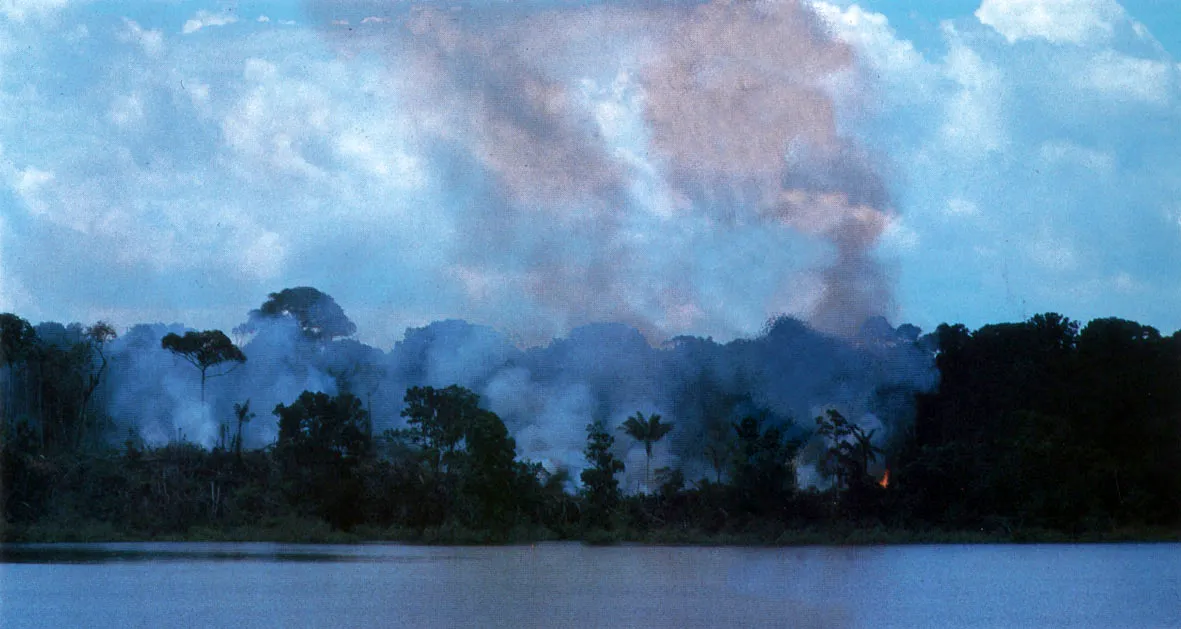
(439, 419)
(600, 487)
(322, 441)
(17, 339)
(1039, 424)
(319, 427)
(762, 469)
(470, 457)
(1039, 430)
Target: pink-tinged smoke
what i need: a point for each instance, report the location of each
(737, 127)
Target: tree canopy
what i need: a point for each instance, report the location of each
(318, 315)
(646, 430)
(203, 350)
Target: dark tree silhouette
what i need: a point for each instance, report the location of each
(850, 448)
(600, 487)
(439, 419)
(317, 314)
(17, 342)
(243, 415)
(647, 431)
(204, 350)
(96, 337)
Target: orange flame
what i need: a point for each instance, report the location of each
(885, 482)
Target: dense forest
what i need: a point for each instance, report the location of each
(1044, 429)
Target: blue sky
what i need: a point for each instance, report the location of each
(533, 170)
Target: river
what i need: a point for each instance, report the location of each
(572, 585)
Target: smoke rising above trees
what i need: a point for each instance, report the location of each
(616, 150)
(545, 395)
(1044, 405)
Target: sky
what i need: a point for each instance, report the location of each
(691, 168)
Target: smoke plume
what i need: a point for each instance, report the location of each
(546, 394)
(613, 149)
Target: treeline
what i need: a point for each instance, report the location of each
(1035, 427)
(1043, 424)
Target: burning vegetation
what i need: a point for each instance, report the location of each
(456, 427)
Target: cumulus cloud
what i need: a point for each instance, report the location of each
(204, 19)
(152, 41)
(20, 10)
(126, 110)
(961, 207)
(879, 45)
(1123, 77)
(29, 184)
(1056, 21)
(1059, 152)
(975, 120)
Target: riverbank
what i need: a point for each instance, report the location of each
(311, 531)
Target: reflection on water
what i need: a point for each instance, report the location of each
(190, 551)
(571, 585)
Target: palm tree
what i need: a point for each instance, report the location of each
(649, 431)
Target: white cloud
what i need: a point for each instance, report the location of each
(872, 35)
(263, 19)
(13, 295)
(381, 160)
(375, 20)
(272, 124)
(263, 258)
(29, 185)
(257, 70)
(20, 10)
(1061, 152)
(152, 41)
(199, 94)
(1052, 253)
(961, 207)
(974, 122)
(1123, 282)
(1130, 78)
(126, 110)
(899, 74)
(900, 236)
(1056, 21)
(205, 18)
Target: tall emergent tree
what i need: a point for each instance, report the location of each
(204, 350)
(95, 339)
(648, 431)
(319, 317)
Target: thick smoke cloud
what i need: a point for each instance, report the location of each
(591, 131)
(546, 394)
(614, 162)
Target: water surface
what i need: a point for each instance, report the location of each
(572, 585)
